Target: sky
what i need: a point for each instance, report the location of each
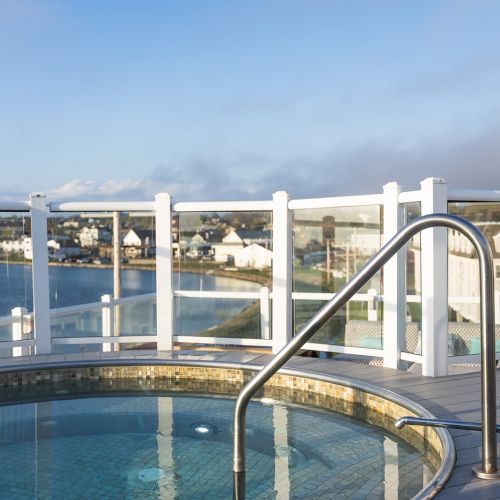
(234, 99)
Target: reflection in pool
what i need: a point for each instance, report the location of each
(181, 447)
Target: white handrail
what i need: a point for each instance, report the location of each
(338, 201)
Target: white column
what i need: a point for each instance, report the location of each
(18, 314)
(165, 323)
(264, 313)
(391, 469)
(108, 310)
(281, 465)
(165, 445)
(40, 272)
(394, 303)
(434, 244)
(282, 271)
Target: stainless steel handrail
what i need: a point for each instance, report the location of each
(439, 422)
(488, 382)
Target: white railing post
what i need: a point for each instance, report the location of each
(264, 313)
(165, 323)
(434, 256)
(18, 314)
(282, 271)
(394, 281)
(108, 321)
(40, 273)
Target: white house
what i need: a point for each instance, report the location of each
(92, 236)
(254, 256)
(15, 246)
(61, 247)
(198, 247)
(229, 248)
(139, 242)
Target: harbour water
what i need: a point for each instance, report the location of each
(77, 285)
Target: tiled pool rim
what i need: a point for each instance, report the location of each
(326, 390)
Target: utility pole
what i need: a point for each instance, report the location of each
(117, 276)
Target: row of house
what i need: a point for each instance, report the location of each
(240, 249)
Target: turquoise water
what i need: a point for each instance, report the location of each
(181, 447)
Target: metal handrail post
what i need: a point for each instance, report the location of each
(488, 381)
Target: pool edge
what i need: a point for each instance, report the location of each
(448, 457)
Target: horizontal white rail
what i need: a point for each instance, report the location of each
(17, 343)
(360, 297)
(79, 308)
(216, 295)
(224, 206)
(468, 358)
(339, 201)
(359, 351)
(92, 306)
(187, 339)
(8, 320)
(101, 206)
(15, 206)
(413, 358)
(410, 196)
(122, 339)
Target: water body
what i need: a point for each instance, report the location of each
(76, 285)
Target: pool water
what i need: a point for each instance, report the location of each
(166, 447)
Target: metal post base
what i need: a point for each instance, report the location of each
(238, 485)
(478, 471)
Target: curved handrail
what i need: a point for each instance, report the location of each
(488, 382)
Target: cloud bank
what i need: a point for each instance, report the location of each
(473, 163)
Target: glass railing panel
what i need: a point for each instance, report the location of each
(218, 317)
(136, 318)
(330, 246)
(463, 277)
(413, 336)
(81, 255)
(350, 327)
(76, 324)
(76, 348)
(221, 252)
(5, 332)
(15, 262)
(235, 245)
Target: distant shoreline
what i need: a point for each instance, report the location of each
(212, 271)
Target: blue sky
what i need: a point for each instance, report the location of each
(237, 99)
